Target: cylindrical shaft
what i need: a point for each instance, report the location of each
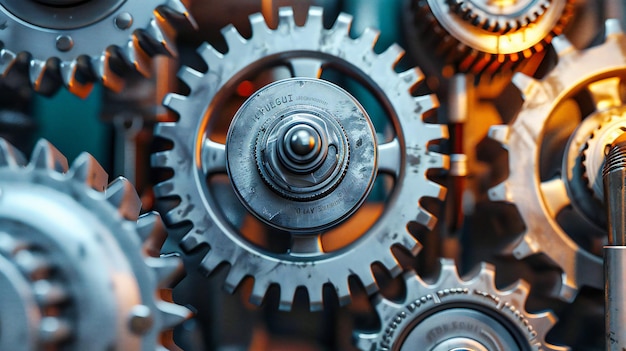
(614, 177)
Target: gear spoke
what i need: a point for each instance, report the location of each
(389, 160)
(213, 157)
(606, 93)
(306, 245)
(305, 67)
(555, 195)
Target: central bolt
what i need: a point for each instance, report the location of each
(302, 143)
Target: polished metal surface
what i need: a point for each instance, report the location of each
(79, 268)
(306, 52)
(459, 314)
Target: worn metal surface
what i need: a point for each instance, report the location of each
(306, 51)
(79, 268)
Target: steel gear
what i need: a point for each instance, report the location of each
(303, 185)
(75, 42)
(79, 270)
(482, 37)
(459, 314)
(547, 159)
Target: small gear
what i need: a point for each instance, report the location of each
(546, 142)
(459, 314)
(484, 37)
(301, 155)
(79, 270)
(74, 42)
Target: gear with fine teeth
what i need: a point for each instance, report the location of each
(75, 43)
(459, 314)
(550, 159)
(79, 269)
(301, 155)
(486, 37)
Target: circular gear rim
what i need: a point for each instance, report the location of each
(72, 58)
(477, 292)
(543, 234)
(118, 231)
(209, 228)
(485, 20)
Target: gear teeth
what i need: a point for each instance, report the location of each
(36, 72)
(191, 77)
(566, 291)
(392, 54)
(343, 24)
(157, 34)
(258, 293)
(168, 269)
(342, 289)
(286, 22)
(316, 300)
(434, 190)
(137, 57)
(370, 35)
(425, 218)
(46, 156)
(500, 192)
(412, 77)
(234, 278)
(167, 130)
(612, 28)
(234, 40)
(425, 103)
(123, 196)
(178, 7)
(210, 262)
(7, 60)
(438, 161)
(211, 56)
(189, 241)
(49, 294)
(562, 46)
(524, 249)
(165, 188)
(176, 103)
(500, 133)
(315, 18)
(68, 72)
(522, 82)
(150, 227)
(54, 330)
(172, 314)
(258, 24)
(388, 260)
(10, 156)
(367, 279)
(287, 294)
(87, 170)
(110, 79)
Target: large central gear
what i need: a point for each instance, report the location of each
(75, 42)
(79, 270)
(556, 148)
(301, 155)
(459, 314)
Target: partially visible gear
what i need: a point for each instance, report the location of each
(459, 314)
(302, 156)
(79, 270)
(486, 37)
(75, 43)
(555, 146)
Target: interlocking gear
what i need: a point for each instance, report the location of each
(79, 270)
(301, 155)
(459, 314)
(553, 152)
(486, 37)
(75, 42)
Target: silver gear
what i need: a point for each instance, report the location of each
(459, 314)
(78, 268)
(306, 50)
(70, 42)
(597, 73)
(472, 36)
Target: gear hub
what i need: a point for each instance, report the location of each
(301, 155)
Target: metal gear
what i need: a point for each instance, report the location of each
(76, 42)
(459, 314)
(547, 159)
(483, 38)
(304, 185)
(79, 270)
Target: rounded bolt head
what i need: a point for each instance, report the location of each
(124, 20)
(302, 142)
(64, 43)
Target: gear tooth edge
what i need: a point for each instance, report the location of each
(190, 77)
(391, 263)
(448, 271)
(342, 290)
(561, 45)
(7, 59)
(411, 77)
(612, 28)
(392, 55)
(149, 225)
(316, 299)
(10, 156)
(522, 82)
(162, 159)
(500, 192)
(343, 24)
(121, 194)
(434, 190)
(210, 261)
(137, 57)
(86, 169)
(45, 155)
(523, 248)
(287, 294)
(258, 24)
(181, 9)
(370, 35)
(156, 33)
(258, 292)
(567, 292)
(68, 71)
(367, 279)
(425, 218)
(102, 68)
(424, 103)
(175, 102)
(165, 188)
(172, 314)
(286, 18)
(211, 56)
(166, 130)
(500, 133)
(168, 268)
(234, 40)
(314, 19)
(234, 278)
(36, 72)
